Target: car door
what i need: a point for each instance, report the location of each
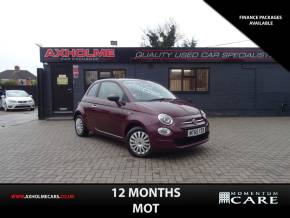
(112, 115)
(90, 106)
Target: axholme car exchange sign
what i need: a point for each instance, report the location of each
(71, 54)
(127, 55)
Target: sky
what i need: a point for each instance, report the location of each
(94, 23)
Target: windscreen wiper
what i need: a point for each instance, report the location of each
(161, 99)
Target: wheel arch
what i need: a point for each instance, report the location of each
(77, 113)
(132, 124)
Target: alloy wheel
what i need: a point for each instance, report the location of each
(139, 143)
(79, 126)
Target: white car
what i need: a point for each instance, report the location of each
(17, 99)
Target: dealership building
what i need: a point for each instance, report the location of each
(221, 81)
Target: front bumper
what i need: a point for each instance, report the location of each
(178, 139)
(15, 106)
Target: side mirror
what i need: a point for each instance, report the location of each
(30, 96)
(2, 96)
(114, 98)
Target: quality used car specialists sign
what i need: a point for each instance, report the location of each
(201, 55)
(134, 55)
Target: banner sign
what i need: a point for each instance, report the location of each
(76, 54)
(161, 199)
(139, 55)
(206, 55)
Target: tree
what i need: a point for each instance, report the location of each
(189, 43)
(162, 36)
(10, 82)
(33, 82)
(165, 36)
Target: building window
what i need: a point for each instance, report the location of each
(119, 73)
(93, 75)
(105, 74)
(189, 79)
(175, 79)
(202, 80)
(90, 77)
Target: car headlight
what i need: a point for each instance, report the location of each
(203, 114)
(165, 119)
(12, 101)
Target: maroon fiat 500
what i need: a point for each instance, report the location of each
(144, 114)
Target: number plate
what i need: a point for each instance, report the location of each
(195, 132)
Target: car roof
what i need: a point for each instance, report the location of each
(119, 80)
(15, 90)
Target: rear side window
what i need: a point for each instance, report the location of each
(93, 90)
(110, 88)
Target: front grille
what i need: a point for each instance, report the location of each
(190, 140)
(22, 101)
(22, 106)
(195, 121)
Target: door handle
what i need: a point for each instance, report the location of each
(93, 105)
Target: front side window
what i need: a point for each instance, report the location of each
(110, 88)
(147, 91)
(93, 90)
(189, 79)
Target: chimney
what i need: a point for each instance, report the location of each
(16, 68)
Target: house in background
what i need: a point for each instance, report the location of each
(17, 76)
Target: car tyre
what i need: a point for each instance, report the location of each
(138, 142)
(80, 126)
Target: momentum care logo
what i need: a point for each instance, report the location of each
(248, 198)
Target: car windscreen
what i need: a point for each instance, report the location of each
(16, 93)
(147, 91)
